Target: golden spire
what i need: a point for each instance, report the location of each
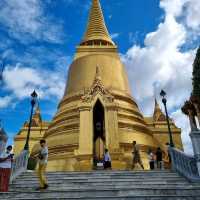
(37, 115)
(158, 114)
(157, 107)
(37, 110)
(96, 28)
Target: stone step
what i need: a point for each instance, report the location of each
(106, 181)
(135, 197)
(125, 184)
(112, 191)
(139, 185)
(81, 179)
(78, 180)
(109, 175)
(77, 193)
(122, 176)
(65, 188)
(106, 172)
(109, 172)
(140, 182)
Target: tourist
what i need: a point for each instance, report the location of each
(107, 160)
(136, 156)
(159, 158)
(169, 156)
(6, 159)
(151, 159)
(42, 159)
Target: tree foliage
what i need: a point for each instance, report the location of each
(196, 75)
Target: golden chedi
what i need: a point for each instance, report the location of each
(38, 128)
(97, 110)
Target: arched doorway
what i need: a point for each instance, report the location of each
(98, 132)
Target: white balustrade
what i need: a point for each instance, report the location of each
(184, 164)
(19, 165)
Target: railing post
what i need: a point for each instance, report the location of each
(184, 164)
(19, 165)
(195, 137)
(173, 158)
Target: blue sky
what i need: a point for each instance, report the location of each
(157, 40)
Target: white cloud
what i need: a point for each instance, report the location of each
(20, 81)
(182, 121)
(168, 31)
(188, 10)
(172, 7)
(114, 35)
(193, 14)
(134, 37)
(161, 63)
(25, 20)
(5, 101)
(110, 16)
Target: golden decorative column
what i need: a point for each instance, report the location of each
(112, 135)
(112, 127)
(84, 154)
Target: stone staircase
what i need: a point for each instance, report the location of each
(135, 185)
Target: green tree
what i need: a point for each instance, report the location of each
(196, 75)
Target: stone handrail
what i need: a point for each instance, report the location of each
(184, 164)
(19, 165)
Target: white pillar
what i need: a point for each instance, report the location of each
(197, 111)
(195, 137)
(192, 121)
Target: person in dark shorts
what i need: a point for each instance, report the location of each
(136, 156)
(107, 160)
(159, 158)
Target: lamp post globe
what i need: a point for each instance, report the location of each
(164, 100)
(34, 96)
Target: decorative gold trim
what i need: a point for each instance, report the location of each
(97, 88)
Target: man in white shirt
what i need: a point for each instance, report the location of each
(42, 161)
(6, 159)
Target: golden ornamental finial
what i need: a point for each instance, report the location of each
(96, 28)
(37, 110)
(156, 104)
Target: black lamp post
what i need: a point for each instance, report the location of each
(164, 100)
(33, 102)
(2, 66)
